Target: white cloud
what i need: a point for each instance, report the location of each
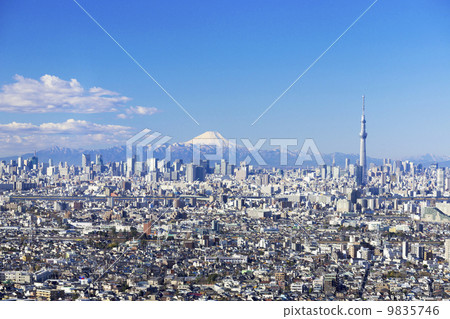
(141, 110)
(138, 110)
(52, 94)
(122, 116)
(18, 138)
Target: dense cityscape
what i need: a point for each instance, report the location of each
(161, 230)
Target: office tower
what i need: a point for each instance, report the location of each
(359, 175)
(405, 250)
(418, 250)
(323, 171)
(85, 160)
(336, 172)
(223, 167)
(447, 250)
(205, 165)
(230, 169)
(33, 163)
(130, 165)
(177, 165)
(362, 149)
(98, 160)
(139, 168)
(405, 166)
(412, 168)
(397, 166)
(383, 179)
(20, 162)
(152, 164)
(200, 173)
(190, 172)
(347, 164)
(440, 176)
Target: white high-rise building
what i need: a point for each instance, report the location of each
(440, 178)
(405, 250)
(447, 250)
(85, 160)
(152, 164)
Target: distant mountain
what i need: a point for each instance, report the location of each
(428, 159)
(57, 154)
(339, 159)
(208, 143)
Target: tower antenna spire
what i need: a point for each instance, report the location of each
(364, 105)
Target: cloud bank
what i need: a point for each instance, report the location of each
(52, 94)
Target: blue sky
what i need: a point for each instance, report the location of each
(225, 62)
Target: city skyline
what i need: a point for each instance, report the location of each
(234, 67)
(117, 153)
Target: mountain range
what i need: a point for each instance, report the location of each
(208, 143)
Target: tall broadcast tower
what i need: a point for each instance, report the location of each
(362, 147)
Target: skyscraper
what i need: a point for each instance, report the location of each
(194, 173)
(440, 177)
(34, 161)
(223, 167)
(85, 160)
(447, 250)
(190, 172)
(347, 164)
(405, 250)
(99, 159)
(362, 149)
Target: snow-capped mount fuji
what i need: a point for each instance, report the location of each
(210, 138)
(209, 142)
